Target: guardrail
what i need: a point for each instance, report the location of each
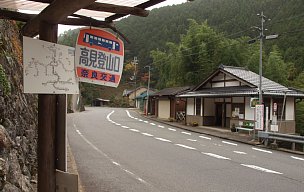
(281, 137)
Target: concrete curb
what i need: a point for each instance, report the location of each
(72, 167)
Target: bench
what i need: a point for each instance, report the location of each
(244, 129)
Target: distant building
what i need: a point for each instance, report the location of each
(100, 102)
(130, 95)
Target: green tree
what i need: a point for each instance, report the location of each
(275, 68)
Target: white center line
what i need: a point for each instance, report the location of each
(160, 126)
(134, 130)
(216, 156)
(171, 129)
(203, 137)
(261, 169)
(126, 127)
(146, 121)
(187, 133)
(229, 143)
(297, 158)
(192, 140)
(78, 132)
(240, 152)
(265, 151)
(185, 146)
(140, 120)
(161, 139)
(152, 123)
(118, 124)
(147, 134)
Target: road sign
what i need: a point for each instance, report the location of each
(259, 117)
(99, 57)
(48, 68)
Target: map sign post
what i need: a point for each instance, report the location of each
(99, 57)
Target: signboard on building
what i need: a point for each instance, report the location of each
(99, 57)
(259, 117)
(48, 68)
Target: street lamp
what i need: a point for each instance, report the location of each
(147, 103)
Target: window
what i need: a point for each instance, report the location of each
(238, 110)
(198, 104)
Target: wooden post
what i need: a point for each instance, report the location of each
(46, 125)
(61, 133)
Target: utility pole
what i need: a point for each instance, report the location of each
(135, 62)
(261, 56)
(147, 103)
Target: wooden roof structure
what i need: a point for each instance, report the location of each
(73, 12)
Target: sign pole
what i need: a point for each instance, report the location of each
(46, 125)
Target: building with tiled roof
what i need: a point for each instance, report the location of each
(226, 97)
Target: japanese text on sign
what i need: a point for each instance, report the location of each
(99, 57)
(259, 117)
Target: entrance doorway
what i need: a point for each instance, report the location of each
(220, 115)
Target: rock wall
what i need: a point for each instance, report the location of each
(18, 117)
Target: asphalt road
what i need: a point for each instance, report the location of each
(118, 150)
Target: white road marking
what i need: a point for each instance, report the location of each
(152, 123)
(147, 134)
(229, 143)
(117, 124)
(261, 169)
(78, 131)
(192, 140)
(217, 144)
(146, 121)
(161, 139)
(185, 146)
(172, 129)
(216, 156)
(240, 152)
(160, 126)
(136, 118)
(297, 158)
(105, 155)
(108, 116)
(187, 133)
(203, 137)
(115, 163)
(128, 172)
(140, 120)
(261, 150)
(134, 130)
(126, 127)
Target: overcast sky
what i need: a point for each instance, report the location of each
(63, 28)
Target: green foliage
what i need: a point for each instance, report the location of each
(5, 85)
(275, 68)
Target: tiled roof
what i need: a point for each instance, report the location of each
(172, 91)
(269, 87)
(253, 78)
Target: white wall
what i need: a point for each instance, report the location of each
(232, 83)
(190, 106)
(290, 109)
(249, 112)
(209, 107)
(164, 109)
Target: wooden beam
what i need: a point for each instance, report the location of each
(57, 11)
(104, 7)
(12, 15)
(143, 6)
